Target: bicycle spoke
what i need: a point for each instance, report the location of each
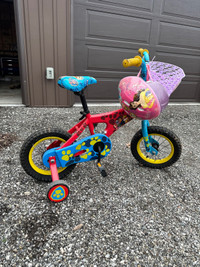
(39, 151)
(164, 148)
(167, 145)
(163, 142)
(158, 139)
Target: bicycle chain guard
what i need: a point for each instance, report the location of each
(80, 151)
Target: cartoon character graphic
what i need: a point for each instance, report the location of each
(79, 77)
(144, 98)
(73, 82)
(121, 121)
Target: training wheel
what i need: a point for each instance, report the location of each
(57, 191)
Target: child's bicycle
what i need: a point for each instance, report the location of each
(48, 155)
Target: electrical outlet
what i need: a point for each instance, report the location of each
(49, 73)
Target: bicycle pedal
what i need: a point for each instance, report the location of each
(102, 170)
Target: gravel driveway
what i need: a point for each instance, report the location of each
(134, 217)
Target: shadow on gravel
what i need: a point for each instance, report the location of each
(6, 140)
(4, 209)
(34, 230)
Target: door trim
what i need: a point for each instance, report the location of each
(21, 47)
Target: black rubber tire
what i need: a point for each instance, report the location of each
(30, 141)
(162, 131)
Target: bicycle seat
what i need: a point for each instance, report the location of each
(75, 83)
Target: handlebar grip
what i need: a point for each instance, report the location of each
(136, 61)
(141, 51)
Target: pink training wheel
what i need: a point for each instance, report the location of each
(57, 191)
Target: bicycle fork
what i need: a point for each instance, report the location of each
(148, 139)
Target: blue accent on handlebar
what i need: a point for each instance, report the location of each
(143, 74)
(146, 56)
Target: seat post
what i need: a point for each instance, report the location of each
(84, 102)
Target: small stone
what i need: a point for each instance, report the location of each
(170, 194)
(7, 257)
(45, 254)
(78, 227)
(27, 193)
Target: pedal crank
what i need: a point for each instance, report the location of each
(100, 167)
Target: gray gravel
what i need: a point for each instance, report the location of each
(134, 217)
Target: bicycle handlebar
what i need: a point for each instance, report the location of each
(136, 61)
(142, 51)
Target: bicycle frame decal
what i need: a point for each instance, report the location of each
(113, 120)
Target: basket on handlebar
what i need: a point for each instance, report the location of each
(168, 75)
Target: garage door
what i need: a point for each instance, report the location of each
(107, 31)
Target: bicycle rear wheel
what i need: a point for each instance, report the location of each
(33, 149)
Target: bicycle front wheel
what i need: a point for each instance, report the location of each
(164, 141)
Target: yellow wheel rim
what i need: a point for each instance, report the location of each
(156, 160)
(30, 156)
